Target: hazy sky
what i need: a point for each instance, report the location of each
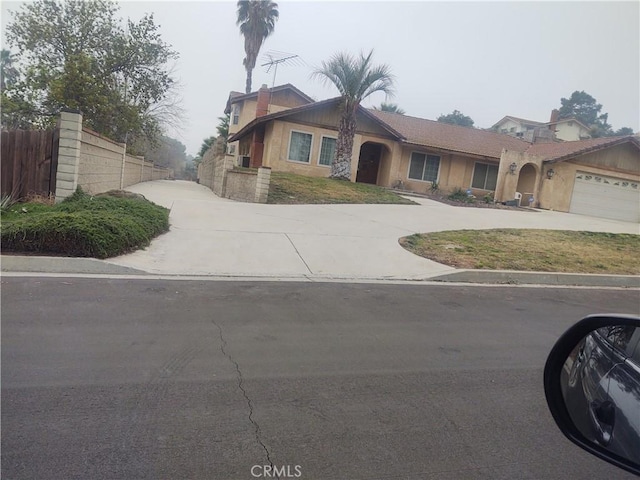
(485, 59)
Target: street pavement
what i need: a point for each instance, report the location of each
(219, 237)
(150, 379)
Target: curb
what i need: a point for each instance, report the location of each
(91, 266)
(36, 264)
(509, 277)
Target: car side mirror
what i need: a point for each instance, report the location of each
(592, 387)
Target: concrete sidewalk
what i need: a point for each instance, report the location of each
(214, 236)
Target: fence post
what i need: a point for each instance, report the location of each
(262, 184)
(124, 163)
(70, 127)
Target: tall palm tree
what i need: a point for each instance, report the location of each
(390, 107)
(355, 78)
(257, 20)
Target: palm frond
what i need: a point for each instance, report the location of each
(355, 77)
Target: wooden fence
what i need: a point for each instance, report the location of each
(29, 162)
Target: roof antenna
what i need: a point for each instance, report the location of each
(275, 58)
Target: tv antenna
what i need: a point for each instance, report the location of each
(275, 58)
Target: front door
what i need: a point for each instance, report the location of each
(369, 163)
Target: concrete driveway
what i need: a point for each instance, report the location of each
(214, 236)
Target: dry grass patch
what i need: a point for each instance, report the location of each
(287, 188)
(530, 250)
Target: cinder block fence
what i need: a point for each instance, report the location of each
(218, 172)
(55, 163)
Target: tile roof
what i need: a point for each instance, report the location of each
(561, 151)
(430, 133)
(303, 108)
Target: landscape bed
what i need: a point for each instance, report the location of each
(82, 226)
(530, 250)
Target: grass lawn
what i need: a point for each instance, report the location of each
(530, 250)
(287, 188)
(82, 226)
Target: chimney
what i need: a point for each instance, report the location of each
(555, 114)
(263, 101)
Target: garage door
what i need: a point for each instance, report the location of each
(607, 197)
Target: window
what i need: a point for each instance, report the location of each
(300, 147)
(231, 149)
(424, 167)
(327, 151)
(485, 176)
(236, 114)
(512, 129)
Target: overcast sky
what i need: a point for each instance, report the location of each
(485, 59)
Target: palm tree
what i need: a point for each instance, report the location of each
(390, 107)
(257, 20)
(355, 78)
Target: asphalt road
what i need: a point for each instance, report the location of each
(133, 379)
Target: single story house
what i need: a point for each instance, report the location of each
(598, 177)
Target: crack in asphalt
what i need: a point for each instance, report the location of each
(258, 432)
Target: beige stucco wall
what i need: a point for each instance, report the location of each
(508, 183)
(556, 193)
(456, 170)
(276, 152)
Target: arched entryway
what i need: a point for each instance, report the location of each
(370, 162)
(527, 183)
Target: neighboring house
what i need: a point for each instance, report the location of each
(566, 129)
(394, 150)
(598, 177)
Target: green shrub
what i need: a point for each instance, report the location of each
(85, 226)
(460, 195)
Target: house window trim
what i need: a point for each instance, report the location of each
(437, 180)
(298, 162)
(322, 136)
(485, 178)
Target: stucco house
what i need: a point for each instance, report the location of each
(566, 129)
(597, 177)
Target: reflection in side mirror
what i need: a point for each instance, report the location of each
(592, 385)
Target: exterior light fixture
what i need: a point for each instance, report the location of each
(512, 168)
(550, 173)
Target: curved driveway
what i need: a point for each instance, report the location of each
(214, 236)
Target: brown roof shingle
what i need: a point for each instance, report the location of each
(564, 150)
(430, 133)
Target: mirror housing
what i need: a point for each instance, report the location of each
(554, 389)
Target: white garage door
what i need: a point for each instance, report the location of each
(607, 197)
